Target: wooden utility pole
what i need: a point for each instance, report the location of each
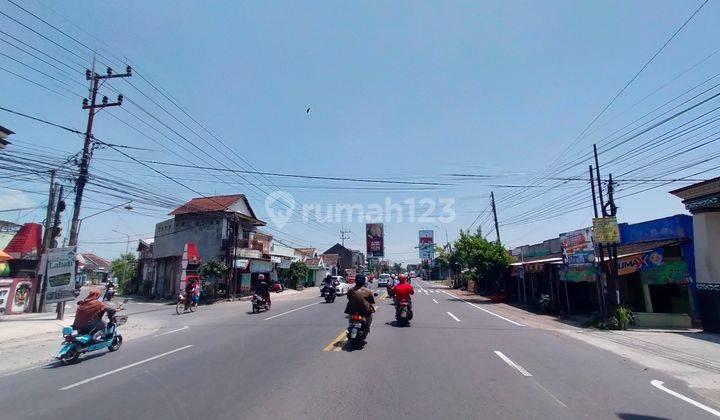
(494, 210)
(88, 146)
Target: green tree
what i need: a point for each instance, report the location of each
(215, 269)
(125, 269)
(297, 272)
(485, 260)
(397, 268)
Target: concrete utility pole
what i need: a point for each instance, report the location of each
(607, 209)
(598, 279)
(60, 307)
(497, 229)
(40, 301)
(88, 146)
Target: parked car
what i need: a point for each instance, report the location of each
(343, 286)
(384, 279)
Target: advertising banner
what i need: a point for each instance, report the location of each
(427, 251)
(639, 262)
(60, 277)
(426, 237)
(606, 230)
(374, 234)
(671, 272)
(245, 285)
(426, 248)
(578, 274)
(578, 248)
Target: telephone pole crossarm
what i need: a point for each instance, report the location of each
(92, 106)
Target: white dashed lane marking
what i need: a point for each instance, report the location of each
(513, 364)
(454, 317)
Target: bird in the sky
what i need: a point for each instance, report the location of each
(307, 111)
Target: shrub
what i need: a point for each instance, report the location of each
(624, 317)
(208, 292)
(620, 318)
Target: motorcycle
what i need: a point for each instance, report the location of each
(109, 293)
(403, 312)
(357, 331)
(259, 304)
(329, 294)
(391, 290)
(76, 345)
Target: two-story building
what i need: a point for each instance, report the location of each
(348, 259)
(223, 227)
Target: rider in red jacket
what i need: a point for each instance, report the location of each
(404, 289)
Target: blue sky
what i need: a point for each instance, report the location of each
(406, 91)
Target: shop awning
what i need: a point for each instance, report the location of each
(542, 261)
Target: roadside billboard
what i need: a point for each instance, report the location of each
(578, 247)
(426, 247)
(426, 237)
(427, 251)
(374, 234)
(606, 230)
(59, 266)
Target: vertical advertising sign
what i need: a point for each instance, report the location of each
(426, 246)
(60, 277)
(578, 247)
(606, 230)
(374, 234)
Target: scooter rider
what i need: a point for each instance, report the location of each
(403, 291)
(263, 290)
(361, 301)
(328, 285)
(109, 291)
(88, 317)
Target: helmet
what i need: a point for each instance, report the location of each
(360, 280)
(261, 277)
(392, 275)
(403, 278)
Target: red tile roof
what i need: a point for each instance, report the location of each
(312, 262)
(97, 261)
(330, 260)
(208, 204)
(307, 252)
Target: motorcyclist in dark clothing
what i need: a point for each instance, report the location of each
(328, 285)
(361, 300)
(263, 290)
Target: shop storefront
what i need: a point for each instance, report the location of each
(247, 271)
(579, 289)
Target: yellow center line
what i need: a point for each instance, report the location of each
(335, 341)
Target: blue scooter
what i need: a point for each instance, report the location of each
(75, 345)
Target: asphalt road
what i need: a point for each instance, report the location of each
(455, 361)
